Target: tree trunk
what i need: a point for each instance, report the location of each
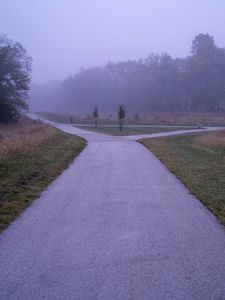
(121, 124)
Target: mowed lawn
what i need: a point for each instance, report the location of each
(32, 155)
(114, 130)
(199, 161)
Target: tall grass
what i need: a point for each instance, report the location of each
(186, 119)
(212, 140)
(32, 155)
(21, 137)
(167, 119)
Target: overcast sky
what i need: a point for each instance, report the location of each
(65, 35)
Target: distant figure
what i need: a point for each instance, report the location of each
(71, 120)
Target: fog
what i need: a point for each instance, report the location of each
(63, 36)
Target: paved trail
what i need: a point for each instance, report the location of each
(115, 225)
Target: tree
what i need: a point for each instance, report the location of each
(95, 115)
(121, 115)
(15, 69)
(136, 117)
(206, 69)
(203, 45)
(158, 83)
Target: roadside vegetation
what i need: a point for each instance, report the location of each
(15, 77)
(32, 154)
(115, 130)
(164, 119)
(198, 160)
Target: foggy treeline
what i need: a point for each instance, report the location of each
(47, 97)
(157, 83)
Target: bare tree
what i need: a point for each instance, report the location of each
(121, 115)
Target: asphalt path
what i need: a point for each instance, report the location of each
(115, 225)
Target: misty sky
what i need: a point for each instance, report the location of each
(65, 35)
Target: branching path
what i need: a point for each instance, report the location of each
(115, 225)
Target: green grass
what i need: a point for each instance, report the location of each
(132, 130)
(27, 171)
(198, 160)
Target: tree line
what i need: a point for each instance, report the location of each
(158, 83)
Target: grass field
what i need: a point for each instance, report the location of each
(165, 119)
(199, 161)
(132, 130)
(31, 156)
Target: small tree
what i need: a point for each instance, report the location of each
(136, 117)
(121, 115)
(95, 115)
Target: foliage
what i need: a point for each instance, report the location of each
(15, 68)
(158, 83)
(121, 115)
(121, 112)
(95, 112)
(95, 115)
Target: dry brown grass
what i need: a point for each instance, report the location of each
(167, 119)
(22, 136)
(211, 140)
(32, 155)
(194, 119)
